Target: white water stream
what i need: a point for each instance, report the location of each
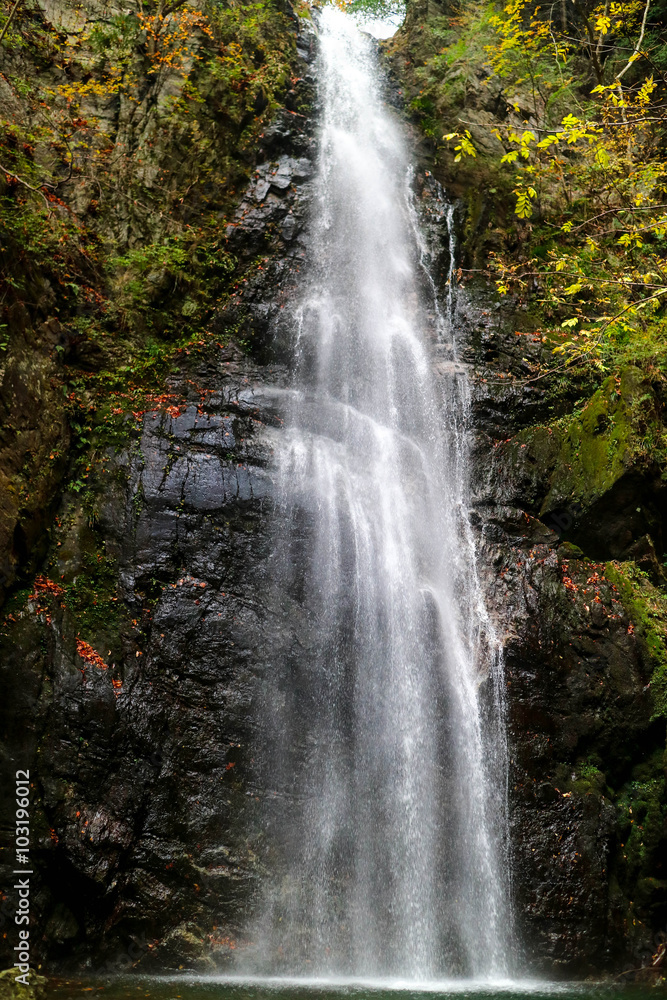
(385, 734)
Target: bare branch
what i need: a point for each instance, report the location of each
(9, 19)
(598, 47)
(637, 47)
(20, 180)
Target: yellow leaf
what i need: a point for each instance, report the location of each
(602, 157)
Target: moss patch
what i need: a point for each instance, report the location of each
(646, 606)
(618, 425)
(575, 460)
(639, 865)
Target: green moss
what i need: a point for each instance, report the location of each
(647, 608)
(14, 604)
(84, 598)
(591, 784)
(92, 601)
(590, 771)
(131, 278)
(168, 289)
(11, 990)
(584, 454)
(598, 445)
(642, 814)
(567, 550)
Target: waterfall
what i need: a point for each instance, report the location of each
(380, 724)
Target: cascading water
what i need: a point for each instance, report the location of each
(386, 757)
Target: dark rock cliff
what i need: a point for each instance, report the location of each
(129, 662)
(571, 508)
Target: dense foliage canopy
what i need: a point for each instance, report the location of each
(584, 146)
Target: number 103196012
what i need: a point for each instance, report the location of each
(22, 884)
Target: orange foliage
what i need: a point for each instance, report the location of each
(45, 586)
(89, 655)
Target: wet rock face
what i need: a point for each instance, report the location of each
(137, 753)
(34, 438)
(137, 734)
(570, 506)
(578, 713)
(272, 214)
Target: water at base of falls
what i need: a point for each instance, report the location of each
(381, 727)
(190, 987)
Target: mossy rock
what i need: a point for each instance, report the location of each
(618, 426)
(185, 947)
(576, 460)
(646, 606)
(11, 990)
(597, 476)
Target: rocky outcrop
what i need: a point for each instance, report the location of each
(569, 492)
(130, 662)
(34, 443)
(126, 139)
(136, 746)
